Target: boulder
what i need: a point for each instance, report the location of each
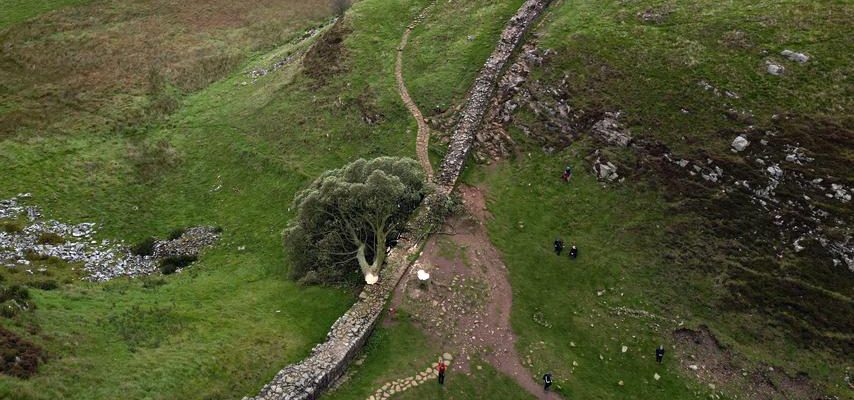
(800, 58)
(740, 143)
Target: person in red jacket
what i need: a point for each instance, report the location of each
(441, 369)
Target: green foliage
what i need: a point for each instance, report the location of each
(348, 209)
(176, 233)
(14, 299)
(171, 264)
(50, 238)
(144, 247)
(11, 226)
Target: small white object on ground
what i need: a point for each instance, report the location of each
(423, 275)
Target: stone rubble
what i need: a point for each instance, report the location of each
(776, 173)
(401, 385)
(605, 170)
(102, 260)
(794, 56)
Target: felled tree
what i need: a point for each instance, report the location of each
(344, 218)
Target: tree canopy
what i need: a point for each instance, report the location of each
(344, 218)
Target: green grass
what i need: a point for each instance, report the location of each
(15, 11)
(618, 62)
(613, 229)
(239, 154)
(115, 66)
(385, 361)
(613, 61)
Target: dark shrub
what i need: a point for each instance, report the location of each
(171, 264)
(11, 227)
(33, 255)
(50, 238)
(14, 292)
(177, 233)
(145, 247)
(49, 284)
(18, 357)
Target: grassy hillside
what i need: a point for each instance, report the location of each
(15, 11)
(116, 66)
(148, 121)
(661, 242)
(232, 155)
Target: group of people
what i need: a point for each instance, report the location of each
(573, 251)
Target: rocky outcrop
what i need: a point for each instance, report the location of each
(480, 96)
(29, 234)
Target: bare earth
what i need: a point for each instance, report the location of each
(467, 303)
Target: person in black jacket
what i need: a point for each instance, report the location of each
(573, 252)
(558, 246)
(659, 354)
(547, 381)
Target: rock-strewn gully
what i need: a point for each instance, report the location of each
(102, 260)
(329, 360)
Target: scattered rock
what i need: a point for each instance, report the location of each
(774, 69)
(794, 56)
(605, 170)
(610, 131)
(102, 260)
(740, 143)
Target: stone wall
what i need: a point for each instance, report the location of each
(481, 93)
(329, 360)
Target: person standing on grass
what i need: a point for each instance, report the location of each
(441, 370)
(567, 174)
(659, 354)
(558, 246)
(547, 381)
(573, 252)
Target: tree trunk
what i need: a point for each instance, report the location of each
(372, 270)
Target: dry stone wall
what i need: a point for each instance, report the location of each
(481, 93)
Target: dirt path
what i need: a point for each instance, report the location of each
(467, 304)
(423, 138)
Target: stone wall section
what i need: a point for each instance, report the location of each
(329, 360)
(480, 96)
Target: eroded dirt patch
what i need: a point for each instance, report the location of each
(467, 301)
(702, 355)
(326, 58)
(19, 357)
